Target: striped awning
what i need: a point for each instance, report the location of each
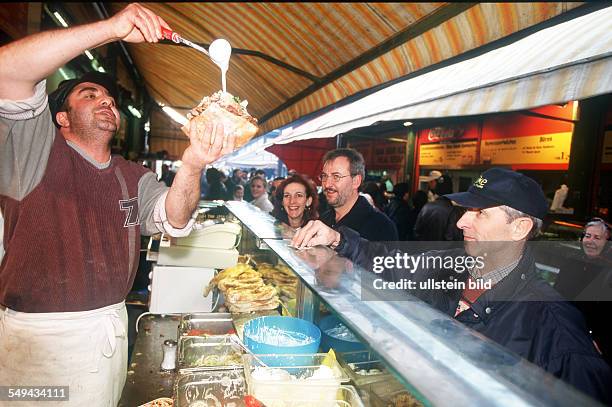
(291, 59)
(569, 61)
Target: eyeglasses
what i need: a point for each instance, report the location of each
(335, 177)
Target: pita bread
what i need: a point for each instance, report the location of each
(221, 108)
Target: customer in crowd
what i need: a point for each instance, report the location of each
(586, 280)
(432, 183)
(520, 311)
(260, 194)
(234, 179)
(167, 175)
(418, 201)
(378, 198)
(248, 196)
(398, 209)
(273, 187)
(296, 202)
(343, 173)
(65, 275)
(216, 188)
(386, 182)
(437, 221)
(238, 194)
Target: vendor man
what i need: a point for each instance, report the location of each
(520, 311)
(74, 213)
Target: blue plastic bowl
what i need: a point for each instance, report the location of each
(288, 324)
(337, 344)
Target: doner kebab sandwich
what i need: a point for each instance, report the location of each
(227, 109)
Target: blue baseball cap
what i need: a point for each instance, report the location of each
(500, 186)
(58, 97)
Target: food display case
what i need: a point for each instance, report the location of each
(414, 355)
(433, 357)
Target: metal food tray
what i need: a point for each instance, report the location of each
(388, 400)
(210, 388)
(213, 323)
(192, 349)
(352, 362)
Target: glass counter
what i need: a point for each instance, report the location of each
(436, 358)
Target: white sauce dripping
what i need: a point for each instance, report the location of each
(220, 51)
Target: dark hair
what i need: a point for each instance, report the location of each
(400, 189)
(419, 199)
(376, 193)
(309, 213)
(357, 164)
(213, 175)
(437, 221)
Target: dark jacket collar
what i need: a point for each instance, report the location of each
(353, 219)
(513, 288)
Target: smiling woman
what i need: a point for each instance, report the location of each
(296, 201)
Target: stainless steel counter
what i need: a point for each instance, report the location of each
(145, 380)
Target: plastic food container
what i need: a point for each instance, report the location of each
(281, 335)
(212, 352)
(210, 388)
(295, 380)
(338, 344)
(348, 396)
(214, 323)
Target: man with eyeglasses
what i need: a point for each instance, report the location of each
(343, 173)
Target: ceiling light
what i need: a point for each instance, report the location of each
(101, 69)
(63, 73)
(60, 19)
(89, 55)
(407, 124)
(134, 111)
(176, 116)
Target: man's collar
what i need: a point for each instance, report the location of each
(508, 289)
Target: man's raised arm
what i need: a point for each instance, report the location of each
(26, 62)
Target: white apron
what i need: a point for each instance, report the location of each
(86, 351)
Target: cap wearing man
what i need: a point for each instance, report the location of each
(520, 311)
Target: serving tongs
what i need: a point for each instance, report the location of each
(235, 339)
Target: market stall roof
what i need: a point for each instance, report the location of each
(569, 61)
(292, 59)
(250, 159)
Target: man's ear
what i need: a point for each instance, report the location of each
(357, 180)
(62, 119)
(521, 228)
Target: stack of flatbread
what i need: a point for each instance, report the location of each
(244, 289)
(281, 277)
